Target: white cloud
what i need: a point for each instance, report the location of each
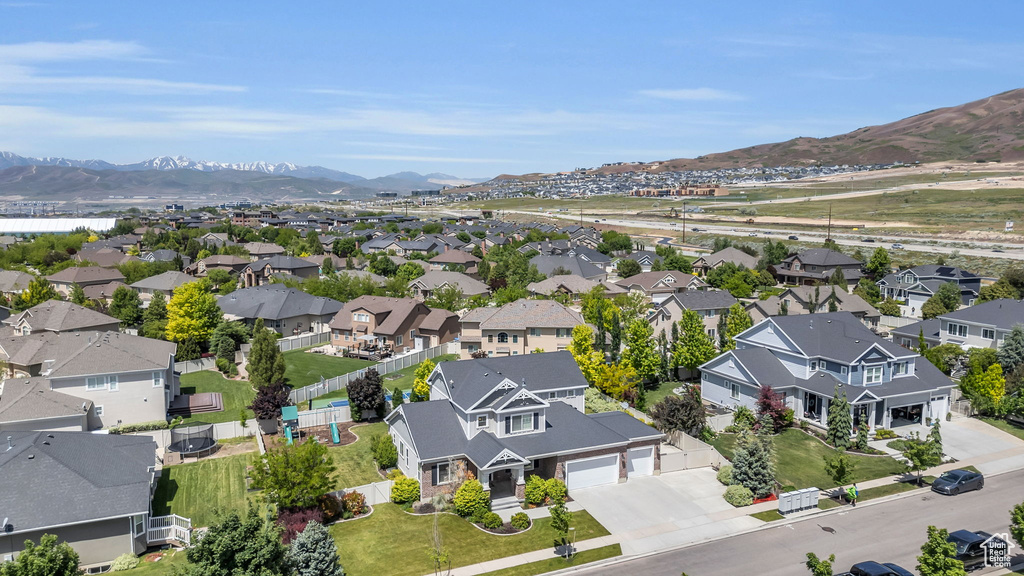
(691, 94)
(65, 51)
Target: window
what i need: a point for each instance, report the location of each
(444, 473)
(711, 333)
(906, 343)
(515, 352)
(398, 340)
(481, 421)
(515, 338)
(734, 389)
(490, 338)
(361, 317)
(814, 365)
(112, 383)
(158, 379)
(522, 423)
(843, 370)
(873, 375)
(957, 330)
(552, 395)
(138, 525)
(98, 410)
(471, 348)
(502, 338)
(899, 368)
(534, 331)
(94, 383)
(988, 334)
(412, 333)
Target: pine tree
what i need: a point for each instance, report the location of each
(663, 356)
(838, 278)
(77, 295)
(840, 423)
(935, 437)
(1011, 351)
(126, 306)
(266, 363)
(753, 465)
(862, 433)
(315, 553)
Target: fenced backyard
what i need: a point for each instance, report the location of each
(681, 451)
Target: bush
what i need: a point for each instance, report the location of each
(125, 561)
(520, 521)
(595, 402)
(471, 500)
(224, 365)
(405, 490)
(744, 417)
(492, 521)
(140, 427)
(725, 475)
(536, 490)
(898, 445)
(395, 474)
(884, 434)
(739, 495)
(331, 507)
(556, 490)
(294, 520)
(353, 503)
(384, 451)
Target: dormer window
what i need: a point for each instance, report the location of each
(814, 365)
(873, 375)
(899, 368)
(360, 317)
(481, 421)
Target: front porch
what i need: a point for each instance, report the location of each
(887, 412)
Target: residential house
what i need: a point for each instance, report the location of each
(263, 271)
(165, 256)
(645, 258)
(805, 358)
(262, 250)
(228, 262)
(29, 404)
(816, 266)
(90, 490)
(518, 327)
(165, 283)
(60, 316)
(84, 276)
(398, 323)
(102, 292)
(660, 285)
(798, 300)
(565, 264)
(547, 247)
(287, 311)
(983, 325)
(506, 419)
(704, 264)
(711, 305)
(425, 286)
(104, 257)
(217, 239)
(914, 286)
(453, 258)
(584, 252)
(573, 286)
(14, 282)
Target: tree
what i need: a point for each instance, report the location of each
(879, 265)
(38, 291)
(922, 455)
(126, 306)
(157, 309)
(946, 299)
(266, 362)
(226, 339)
(991, 387)
(840, 423)
(561, 518)
(753, 466)
(582, 348)
(447, 297)
(192, 313)
(694, 347)
(997, 291)
(819, 567)
(269, 400)
(938, 555)
(315, 553)
(935, 437)
(366, 394)
(840, 468)
(627, 268)
(239, 546)
(1011, 351)
(420, 386)
(77, 295)
(862, 433)
(771, 405)
(617, 380)
(295, 475)
(664, 368)
(219, 278)
(838, 278)
(1017, 524)
(48, 558)
(889, 307)
(641, 353)
(615, 335)
(737, 320)
(683, 413)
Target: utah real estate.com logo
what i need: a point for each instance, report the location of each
(998, 549)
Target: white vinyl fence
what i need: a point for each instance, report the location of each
(376, 493)
(324, 416)
(387, 366)
(689, 453)
(303, 340)
(195, 365)
(896, 322)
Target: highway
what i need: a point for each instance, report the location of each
(890, 531)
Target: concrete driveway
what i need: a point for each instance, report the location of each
(965, 438)
(657, 512)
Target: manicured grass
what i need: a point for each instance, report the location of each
(545, 566)
(237, 394)
(201, 489)
(370, 545)
(404, 380)
(164, 567)
(800, 460)
(303, 368)
(1006, 426)
(354, 461)
(664, 389)
(768, 515)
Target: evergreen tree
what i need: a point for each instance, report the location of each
(840, 423)
(615, 333)
(315, 553)
(1011, 351)
(922, 344)
(784, 308)
(126, 306)
(862, 433)
(77, 295)
(753, 466)
(266, 363)
(935, 437)
(665, 369)
(832, 306)
(838, 278)
(879, 265)
(938, 555)
(736, 322)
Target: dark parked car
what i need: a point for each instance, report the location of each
(956, 481)
(970, 548)
(876, 569)
(793, 237)
(867, 240)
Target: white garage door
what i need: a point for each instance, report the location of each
(592, 471)
(641, 461)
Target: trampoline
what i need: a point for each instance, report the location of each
(193, 439)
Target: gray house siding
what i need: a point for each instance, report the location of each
(79, 423)
(135, 400)
(96, 542)
(718, 390)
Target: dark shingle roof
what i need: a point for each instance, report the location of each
(471, 380)
(275, 302)
(32, 399)
(1004, 313)
(836, 335)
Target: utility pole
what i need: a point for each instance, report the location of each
(828, 236)
(684, 222)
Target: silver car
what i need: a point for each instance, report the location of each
(956, 481)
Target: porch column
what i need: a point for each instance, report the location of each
(485, 479)
(871, 416)
(824, 410)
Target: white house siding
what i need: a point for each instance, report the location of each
(135, 400)
(714, 389)
(408, 460)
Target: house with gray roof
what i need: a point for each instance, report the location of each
(395, 323)
(711, 305)
(451, 258)
(914, 286)
(425, 286)
(262, 272)
(797, 300)
(817, 265)
(513, 417)
(59, 316)
(14, 282)
(84, 276)
(704, 264)
(90, 490)
(30, 404)
(518, 327)
(287, 311)
(164, 255)
(554, 265)
(983, 325)
(660, 285)
(165, 283)
(806, 359)
(572, 286)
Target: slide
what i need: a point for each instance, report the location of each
(288, 434)
(334, 433)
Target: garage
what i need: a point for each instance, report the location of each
(640, 461)
(588, 472)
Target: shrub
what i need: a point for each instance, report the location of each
(384, 451)
(125, 561)
(725, 475)
(224, 365)
(294, 520)
(395, 474)
(744, 417)
(353, 503)
(899, 444)
(556, 490)
(331, 507)
(520, 521)
(405, 490)
(471, 500)
(884, 434)
(140, 427)
(492, 521)
(739, 496)
(536, 490)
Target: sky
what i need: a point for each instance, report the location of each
(476, 89)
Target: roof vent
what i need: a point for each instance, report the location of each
(829, 321)
(10, 444)
(31, 456)
(46, 442)
(486, 374)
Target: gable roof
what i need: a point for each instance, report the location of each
(469, 381)
(836, 335)
(61, 316)
(546, 264)
(281, 262)
(1003, 314)
(823, 257)
(648, 281)
(89, 353)
(454, 257)
(166, 281)
(437, 278)
(32, 399)
(86, 274)
(572, 283)
(730, 254)
(275, 302)
(14, 280)
(397, 311)
(523, 314)
(702, 299)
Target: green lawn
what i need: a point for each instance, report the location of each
(545, 566)
(404, 380)
(237, 394)
(354, 461)
(768, 515)
(1006, 426)
(201, 489)
(302, 368)
(369, 546)
(663, 389)
(163, 567)
(800, 460)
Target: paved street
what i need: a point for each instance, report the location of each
(887, 532)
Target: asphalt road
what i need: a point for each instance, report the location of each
(886, 532)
